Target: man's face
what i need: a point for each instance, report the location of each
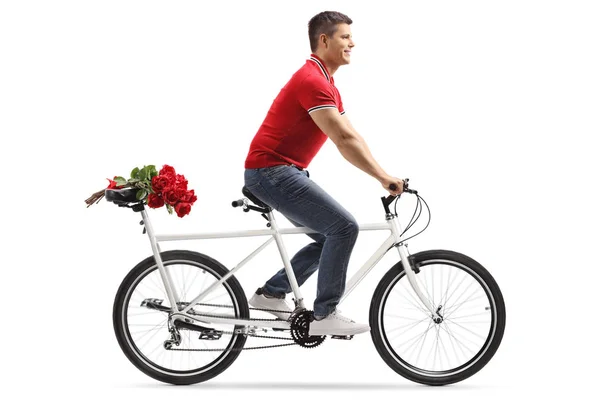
(340, 45)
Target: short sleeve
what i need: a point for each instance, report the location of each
(315, 93)
(341, 107)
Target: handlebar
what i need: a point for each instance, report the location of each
(388, 200)
(405, 189)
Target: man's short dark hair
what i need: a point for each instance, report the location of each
(325, 22)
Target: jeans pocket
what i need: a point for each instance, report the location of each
(271, 172)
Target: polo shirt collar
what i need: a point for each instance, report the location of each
(321, 64)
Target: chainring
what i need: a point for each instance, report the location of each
(299, 330)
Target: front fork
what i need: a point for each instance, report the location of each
(410, 273)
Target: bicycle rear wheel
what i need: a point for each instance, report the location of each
(453, 344)
(142, 330)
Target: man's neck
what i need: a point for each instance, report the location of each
(331, 67)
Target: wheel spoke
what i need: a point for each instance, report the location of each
(153, 331)
(411, 302)
(470, 315)
(450, 338)
(460, 296)
(470, 307)
(156, 281)
(454, 308)
(415, 339)
(445, 353)
(434, 348)
(468, 330)
(400, 317)
(433, 286)
(448, 285)
(423, 337)
(461, 345)
(194, 280)
(455, 289)
(406, 326)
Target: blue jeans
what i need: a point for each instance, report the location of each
(292, 193)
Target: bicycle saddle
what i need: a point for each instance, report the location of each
(256, 201)
(121, 196)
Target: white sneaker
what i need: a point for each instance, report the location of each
(336, 324)
(272, 303)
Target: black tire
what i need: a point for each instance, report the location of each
(206, 265)
(393, 282)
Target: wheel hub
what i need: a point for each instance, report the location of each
(438, 318)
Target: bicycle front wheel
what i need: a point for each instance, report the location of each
(142, 309)
(462, 335)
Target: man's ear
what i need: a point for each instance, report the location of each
(323, 38)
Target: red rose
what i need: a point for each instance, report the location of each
(155, 201)
(159, 183)
(180, 193)
(182, 208)
(112, 184)
(170, 195)
(181, 182)
(189, 197)
(167, 170)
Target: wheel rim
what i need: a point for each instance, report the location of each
(469, 319)
(146, 330)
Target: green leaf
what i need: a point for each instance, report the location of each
(120, 181)
(134, 172)
(152, 171)
(169, 208)
(142, 174)
(140, 194)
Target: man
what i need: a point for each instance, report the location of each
(306, 112)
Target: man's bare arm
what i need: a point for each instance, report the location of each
(347, 121)
(352, 146)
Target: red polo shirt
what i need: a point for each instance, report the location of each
(288, 135)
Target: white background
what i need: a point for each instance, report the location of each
(491, 109)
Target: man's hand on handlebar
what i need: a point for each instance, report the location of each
(390, 182)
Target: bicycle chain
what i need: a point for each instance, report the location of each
(247, 334)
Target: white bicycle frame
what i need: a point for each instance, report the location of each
(276, 234)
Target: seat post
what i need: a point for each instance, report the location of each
(286, 261)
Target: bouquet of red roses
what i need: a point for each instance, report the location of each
(155, 189)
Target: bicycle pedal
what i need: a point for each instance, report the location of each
(210, 334)
(342, 337)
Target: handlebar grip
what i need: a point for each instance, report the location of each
(237, 203)
(394, 187)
